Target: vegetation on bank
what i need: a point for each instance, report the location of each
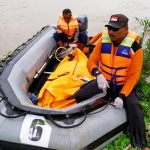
(6, 56)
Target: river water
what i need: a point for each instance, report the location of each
(21, 19)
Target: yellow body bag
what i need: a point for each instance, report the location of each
(65, 81)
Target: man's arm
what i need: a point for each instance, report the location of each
(133, 72)
(58, 30)
(76, 33)
(94, 58)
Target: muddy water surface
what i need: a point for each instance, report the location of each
(21, 19)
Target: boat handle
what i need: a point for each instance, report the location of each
(66, 127)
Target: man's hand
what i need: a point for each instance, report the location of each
(102, 82)
(118, 102)
(58, 31)
(79, 24)
(75, 39)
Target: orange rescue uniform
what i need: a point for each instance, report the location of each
(110, 60)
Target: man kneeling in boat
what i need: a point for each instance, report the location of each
(68, 30)
(121, 57)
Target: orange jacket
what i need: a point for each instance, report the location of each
(93, 41)
(68, 28)
(112, 58)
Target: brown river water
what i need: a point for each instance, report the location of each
(21, 19)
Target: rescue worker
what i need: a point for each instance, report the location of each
(121, 57)
(68, 30)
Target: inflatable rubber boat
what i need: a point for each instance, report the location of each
(89, 125)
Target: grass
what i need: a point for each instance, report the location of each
(6, 56)
(145, 23)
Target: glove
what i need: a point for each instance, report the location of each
(102, 82)
(118, 102)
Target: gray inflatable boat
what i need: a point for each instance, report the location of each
(89, 125)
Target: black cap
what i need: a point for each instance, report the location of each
(118, 21)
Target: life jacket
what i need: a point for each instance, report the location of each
(61, 85)
(68, 28)
(114, 67)
(93, 41)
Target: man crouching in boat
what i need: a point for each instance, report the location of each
(68, 30)
(121, 59)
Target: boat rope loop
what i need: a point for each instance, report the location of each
(83, 112)
(4, 96)
(66, 127)
(107, 103)
(15, 116)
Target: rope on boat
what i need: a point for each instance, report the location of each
(100, 110)
(15, 116)
(66, 127)
(86, 114)
(52, 120)
(56, 55)
(4, 96)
